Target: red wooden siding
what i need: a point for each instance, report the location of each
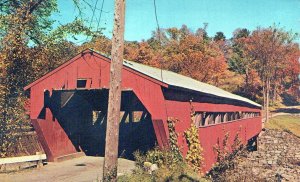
(95, 68)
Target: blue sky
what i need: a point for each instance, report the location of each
(221, 15)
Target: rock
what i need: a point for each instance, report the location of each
(147, 164)
(255, 171)
(150, 167)
(153, 167)
(277, 159)
(120, 174)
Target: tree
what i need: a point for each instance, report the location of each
(242, 63)
(241, 33)
(219, 36)
(202, 32)
(18, 27)
(141, 53)
(269, 48)
(288, 77)
(191, 54)
(29, 48)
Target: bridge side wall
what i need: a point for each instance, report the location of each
(211, 134)
(95, 68)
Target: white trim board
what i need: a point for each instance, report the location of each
(29, 158)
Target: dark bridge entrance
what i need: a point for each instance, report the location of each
(82, 114)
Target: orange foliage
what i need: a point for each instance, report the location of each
(239, 65)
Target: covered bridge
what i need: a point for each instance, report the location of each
(68, 109)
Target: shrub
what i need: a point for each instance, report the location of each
(225, 156)
(194, 155)
(167, 171)
(172, 166)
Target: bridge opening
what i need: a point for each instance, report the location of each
(82, 113)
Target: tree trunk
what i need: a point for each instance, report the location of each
(264, 96)
(274, 98)
(246, 80)
(267, 99)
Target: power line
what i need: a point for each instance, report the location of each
(160, 58)
(93, 13)
(100, 15)
(91, 22)
(157, 24)
(159, 39)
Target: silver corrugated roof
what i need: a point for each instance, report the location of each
(178, 80)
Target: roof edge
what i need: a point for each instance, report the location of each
(88, 50)
(254, 104)
(58, 68)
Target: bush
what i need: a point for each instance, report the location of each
(171, 165)
(194, 155)
(225, 156)
(170, 169)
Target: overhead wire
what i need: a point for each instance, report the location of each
(101, 10)
(160, 42)
(91, 22)
(159, 39)
(94, 9)
(93, 13)
(156, 19)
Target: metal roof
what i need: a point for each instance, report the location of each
(178, 80)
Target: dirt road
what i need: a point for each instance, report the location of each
(287, 110)
(83, 169)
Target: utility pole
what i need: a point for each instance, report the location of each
(114, 100)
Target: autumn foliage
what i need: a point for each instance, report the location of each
(262, 65)
(242, 64)
(29, 48)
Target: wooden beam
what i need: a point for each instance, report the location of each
(29, 158)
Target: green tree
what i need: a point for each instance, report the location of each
(29, 48)
(241, 33)
(219, 36)
(242, 63)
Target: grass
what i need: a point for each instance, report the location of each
(288, 123)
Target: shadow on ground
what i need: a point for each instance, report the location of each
(288, 110)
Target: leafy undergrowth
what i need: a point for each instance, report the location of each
(287, 123)
(170, 168)
(168, 164)
(164, 174)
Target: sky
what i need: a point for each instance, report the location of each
(221, 15)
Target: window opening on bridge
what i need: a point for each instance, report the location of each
(133, 116)
(95, 115)
(211, 118)
(81, 83)
(138, 116)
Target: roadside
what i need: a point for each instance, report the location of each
(277, 159)
(83, 169)
(288, 123)
(287, 110)
(283, 111)
(278, 154)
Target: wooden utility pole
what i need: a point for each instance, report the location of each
(114, 100)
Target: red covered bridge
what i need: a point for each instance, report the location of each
(68, 109)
